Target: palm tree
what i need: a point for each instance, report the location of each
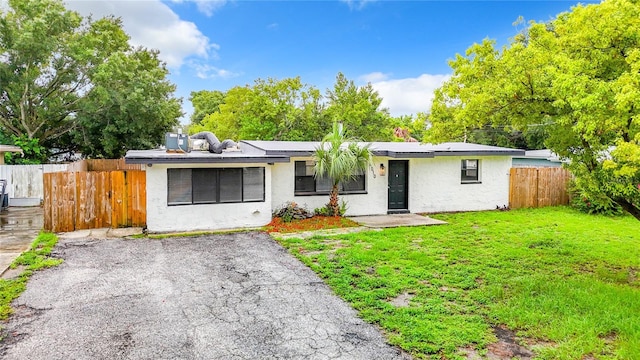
(340, 159)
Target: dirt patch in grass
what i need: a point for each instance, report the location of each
(402, 300)
(507, 347)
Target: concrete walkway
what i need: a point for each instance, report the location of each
(233, 296)
(395, 220)
(19, 226)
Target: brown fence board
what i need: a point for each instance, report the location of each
(87, 200)
(538, 187)
(103, 165)
(110, 165)
(47, 202)
(138, 197)
(118, 199)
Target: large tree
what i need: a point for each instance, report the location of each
(288, 109)
(53, 62)
(340, 158)
(358, 108)
(205, 102)
(271, 109)
(130, 106)
(577, 78)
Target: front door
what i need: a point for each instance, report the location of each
(398, 186)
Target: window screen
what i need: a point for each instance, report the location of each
(307, 184)
(218, 185)
(304, 181)
(205, 185)
(179, 184)
(470, 170)
(356, 184)
(230, 185)
(253, 184)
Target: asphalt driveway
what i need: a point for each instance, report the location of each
(235, 296)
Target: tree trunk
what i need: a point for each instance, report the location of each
(629, 207)
(333, 201)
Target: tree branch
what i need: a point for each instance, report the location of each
(628, 207)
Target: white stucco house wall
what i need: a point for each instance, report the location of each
(205, 191)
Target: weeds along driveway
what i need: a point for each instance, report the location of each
(235, 296)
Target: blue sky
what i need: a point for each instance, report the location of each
(401, 47)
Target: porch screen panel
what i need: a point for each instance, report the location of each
(205, 185)
(179, 186)
(253, 184)
(230, 185)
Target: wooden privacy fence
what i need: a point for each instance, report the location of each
(103, 165)
(538, 187)
(94, 199)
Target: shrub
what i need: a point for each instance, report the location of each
(591, 203)
(327, 211)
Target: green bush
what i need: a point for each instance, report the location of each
(591, 203)
(326, 210)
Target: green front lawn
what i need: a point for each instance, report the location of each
(567, 283)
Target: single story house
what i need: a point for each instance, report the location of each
(203, 191)
(537, 158)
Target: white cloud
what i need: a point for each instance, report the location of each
(406, 96)
(204, 71)
(154, 25)
(207, 7)
(374, 77)
(357, 4)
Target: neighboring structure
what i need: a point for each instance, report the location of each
(202, 191)
(9, 149)
(25, 182)
(537, 158)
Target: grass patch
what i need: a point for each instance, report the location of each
(566, 282)
(37, 257)
(310, 224)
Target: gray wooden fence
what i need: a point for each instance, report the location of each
(25, 182)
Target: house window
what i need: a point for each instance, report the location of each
(470, 171)
(307, 184)
(212, 186)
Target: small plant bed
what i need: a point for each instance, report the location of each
(36, 258)
(310, 224)
(549, 283)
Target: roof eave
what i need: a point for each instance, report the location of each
(205, 160)
(480, 153)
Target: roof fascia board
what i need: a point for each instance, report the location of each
(182, 160)
(480, 153)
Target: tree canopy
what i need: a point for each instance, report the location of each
(75, 83)
(288, 109)
(358, 108)
(205, 102)
(575, 78)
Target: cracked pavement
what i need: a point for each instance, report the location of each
(233, 296)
